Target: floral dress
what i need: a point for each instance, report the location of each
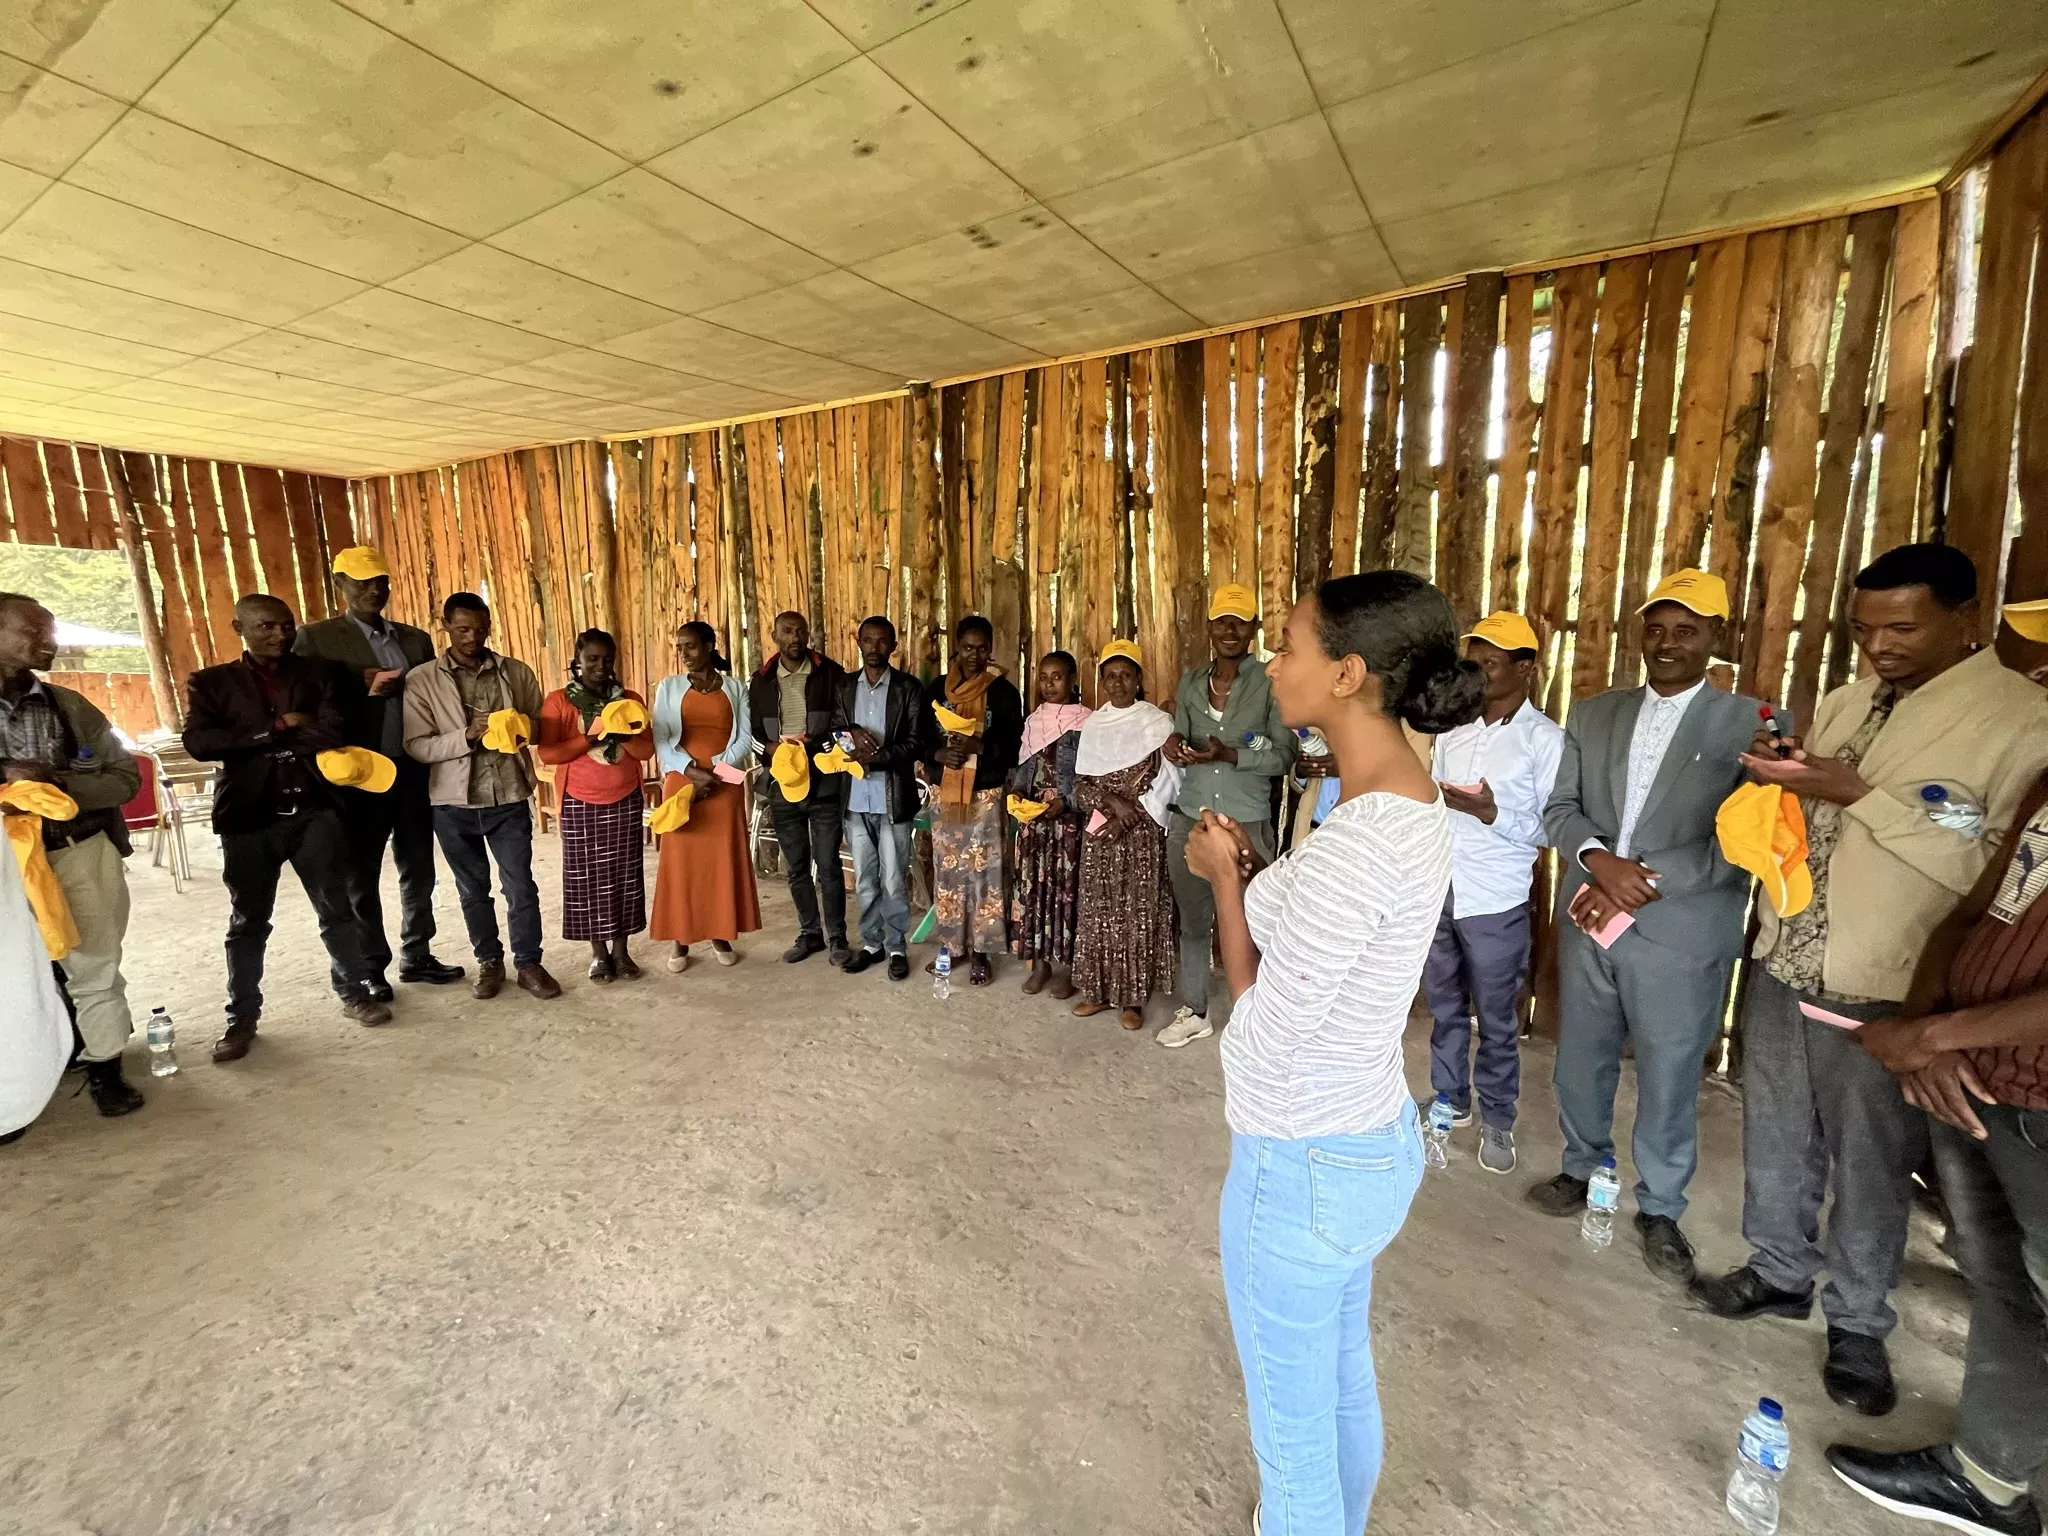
(1046, 893)
(1124, 950)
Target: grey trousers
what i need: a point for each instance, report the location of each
(1997, 1192)
(1818, 1110)
(1670, 1004)
(1475, 969)
(1197, 904)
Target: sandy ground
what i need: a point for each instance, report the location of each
(771, 1250)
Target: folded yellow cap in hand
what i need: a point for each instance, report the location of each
(358, 768)
(622, 717)
(952, 722)
(673, 813)
(507, 731)
(791, 768)
(1762, 830)
(834, 760)
(1025, 810)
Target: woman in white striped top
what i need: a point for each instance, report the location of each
(1324, 952)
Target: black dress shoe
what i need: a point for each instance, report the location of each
(806, 945)
(1741, 1293)
(377, 990)
(430, 971)
(234, 1044)
(899, 967)
(838, 954)
(1859, 1373)
(112, 1094)
(1561, 1196)
(1666, 1253)
(861, 959)
(1928, 1485)
(13, 1136)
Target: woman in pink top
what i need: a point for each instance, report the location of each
(597, 778)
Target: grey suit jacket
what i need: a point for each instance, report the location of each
(1702, 894)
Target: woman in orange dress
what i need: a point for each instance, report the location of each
(704, 884)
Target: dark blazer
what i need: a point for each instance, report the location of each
(907, 736)
(228, 722)
(341, 640)
(1701, 894)
(1002, 733)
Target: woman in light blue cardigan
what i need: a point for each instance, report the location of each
(704, 886)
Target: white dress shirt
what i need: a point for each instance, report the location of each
(1491, 866)
(1656, 723)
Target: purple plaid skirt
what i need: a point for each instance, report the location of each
(604, 873)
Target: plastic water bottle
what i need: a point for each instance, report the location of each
(1958, 813)
(942, 974)
(1436, 1134)
(1603, 1199)
(163, 1044)
(1760, 1459)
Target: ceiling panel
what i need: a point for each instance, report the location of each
(46, 122)
(481, 280)
(118, 47)
(1019, 261)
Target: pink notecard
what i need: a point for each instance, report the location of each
(1612, 929)
(1096, 823)
(727, 772)
(1825, 1017)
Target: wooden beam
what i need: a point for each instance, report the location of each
(1318, 450)
(1422, 321)
(33, 523)
(1244, 542)
(170, 708)
(1668, 275)
(1916, 274)
(1354, 352)
(1519, 417)
(1462, 569)
(921, 525)
(1574, 299)
(1382, 467)
(1617, 351)
(1742, 421)
(1218, 426)
(1184, 377)
(1280, 377)
(2026, 574)
(1717, 290)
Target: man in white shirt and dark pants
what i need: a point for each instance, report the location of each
(1496, 774)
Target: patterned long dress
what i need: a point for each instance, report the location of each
(1125, 947)
(1046, 892)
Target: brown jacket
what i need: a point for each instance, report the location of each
(437, 725)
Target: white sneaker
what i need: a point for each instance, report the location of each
(1185, 1025)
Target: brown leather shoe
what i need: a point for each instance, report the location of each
(490, 976)
(535, 979)
(234, 1044)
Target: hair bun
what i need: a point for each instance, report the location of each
(1444, 692)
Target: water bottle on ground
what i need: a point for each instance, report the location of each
(1603, 1199)
(1760, 1458)
(1959, 813)
(1436, 1134)
(163, 1044)
(942, 974)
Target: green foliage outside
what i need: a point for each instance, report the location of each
(81, 586)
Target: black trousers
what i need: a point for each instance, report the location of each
(404, 818)
(810, 833)
(316, 847)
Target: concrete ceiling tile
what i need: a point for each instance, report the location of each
(1283, 187)
(169, 169)
(78, 232)
(19, 188)
(638, 76)
(47, 122)
(843, 315)
(1512, 119)
(507, 395)
(603, 376)
(499, 286)
(1021, 261)
(296, 394)
(1124, 317)
(19, 333)
(119, 47)
(16, 391)
(288, 354)
(1350, 54)
(1612, 207)
(181, 395)
(847, 166)
(1316, 276)
(402, 326)
(309, 85)
(1760, 65)
(54, 374)
(869, 22)
(1159, 79)
(713, 352)
(648, 237)
(62, 299)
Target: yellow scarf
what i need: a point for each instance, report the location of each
(26, 806)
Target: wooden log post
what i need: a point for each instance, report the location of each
(1422, 325)
(1178, 506)
(1462, 571)
(1382, 479)
(921, 531)
(1668, 271)
(1742, 423)
(1518, 427)
(1916, 264)
(128, 532)
(1313, 538)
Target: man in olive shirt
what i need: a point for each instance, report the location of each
(1232, 747)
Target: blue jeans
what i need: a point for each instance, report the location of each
(470, 837)
(881, 873)
(1302, 1222)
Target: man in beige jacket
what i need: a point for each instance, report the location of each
(1909, 781)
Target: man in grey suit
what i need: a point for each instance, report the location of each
(371, 655)
(1632, 818)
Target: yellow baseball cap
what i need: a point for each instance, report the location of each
(1509, 631)
(674, 812)
(791, 768)
(1235, 600)
(2028, 620)
(834, 760)
(1128, 649)
(952, 722)
(1025, 810)
(358, 768)
(1702, 591)
(507, 730)
(622, 717)
(1762, 830)
(362, 563)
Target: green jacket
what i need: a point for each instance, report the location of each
(1243, 790)
(102, 777)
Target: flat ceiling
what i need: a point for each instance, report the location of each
(369, 235)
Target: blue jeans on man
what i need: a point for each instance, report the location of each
(1301, 1223)
(881, 872)
(471, 836)
(1475, 969)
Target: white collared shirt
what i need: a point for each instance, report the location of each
(1656, 723)
(1491, 866)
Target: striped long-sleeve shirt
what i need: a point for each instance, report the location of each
(1342, 924)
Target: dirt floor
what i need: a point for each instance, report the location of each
(771, 1250)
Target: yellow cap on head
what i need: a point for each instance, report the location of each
(358, 768)
(1761, 829)
(362, 563)
(622, 717)
(673, 813)
(1235, 600)
(1702, 591)
(1509, 631)
(507, 730)
(1127, 649)
(2028, 620)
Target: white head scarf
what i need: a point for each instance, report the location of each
(35, 1031)
(1114, 738)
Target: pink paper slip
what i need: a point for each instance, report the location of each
(727, 772)
(1612, 929)
(1096, 823)
(1823, 1016)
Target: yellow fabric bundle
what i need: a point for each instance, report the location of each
(673, 813)
(1762, 830)
(1025, 810)
(952, 723)
(358, 768)
(27, 805)
(507, 731)
(791, 768)
(622, 717)
(834, 760)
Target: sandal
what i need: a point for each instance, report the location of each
(726, 956)
(601, 971)
(1087, 1008)
(980, 972)
(628, 968)
(1132, 1018)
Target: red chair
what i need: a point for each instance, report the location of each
(140, 814)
